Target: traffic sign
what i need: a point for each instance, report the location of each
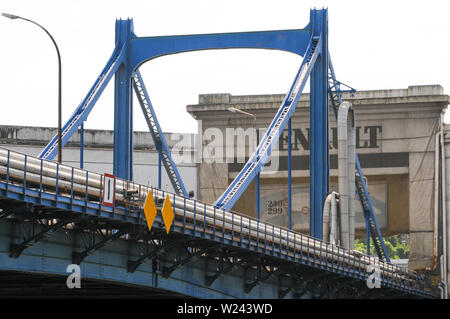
(109, 190)
(150, 212)
(150, 209)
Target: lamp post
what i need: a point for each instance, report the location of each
(234, 110)
(11, 16)
(257, 178)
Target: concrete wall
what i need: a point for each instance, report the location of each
(98, 152)
(395, 143)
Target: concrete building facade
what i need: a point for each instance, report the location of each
(395, 142)
(98, 152)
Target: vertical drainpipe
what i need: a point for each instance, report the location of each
(343, 173)
(334, 219)
(330, 218)
(444, 271)
(326, 218)
(351, 135)
(436, 202)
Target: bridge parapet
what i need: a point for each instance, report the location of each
(62, 197)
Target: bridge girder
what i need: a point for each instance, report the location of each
(289, 280)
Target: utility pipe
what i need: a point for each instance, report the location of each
(444, 209)
(343, 170)
(334, 219)
(447, 204)
(326, 217)
(351, 134)
(436, 203)
(330, 218)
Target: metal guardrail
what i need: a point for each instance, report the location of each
(28, 178)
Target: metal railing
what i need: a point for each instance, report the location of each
(68, 188)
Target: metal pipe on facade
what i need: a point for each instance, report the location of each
(351, 135)
(334, 219)
(330, 219)
(443, 286)
(444, 271)
(436, 203)
(447, 203)
(343, 172)
(326, 218)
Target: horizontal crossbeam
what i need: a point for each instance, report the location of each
(78, 257)
(209, 279)
(168, 270)
(132, 265)
(15, 250)
(248, 286)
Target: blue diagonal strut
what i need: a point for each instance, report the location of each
(82, 111)
(262, 152)
(158, 135)
(335, 95)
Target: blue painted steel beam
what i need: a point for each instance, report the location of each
(141, 49)
(367, 233)
(290, 174)
(82, 112)
(159, 169)
(147, 48)
(133, 51)
(264, 149)
(318, 163)
(123, 107)
(115, 259)
(164, 154)
(372, 212)
(258, 195)
(81, 145)
(67, 204)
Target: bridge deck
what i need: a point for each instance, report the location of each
(62, 197)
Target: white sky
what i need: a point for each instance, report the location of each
(373, 45)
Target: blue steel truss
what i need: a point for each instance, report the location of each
(314, 64)
(262, 152)
(131, 51)
(158, 137)
(82, 111)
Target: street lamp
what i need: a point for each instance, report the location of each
(257, 180)
(11, 16)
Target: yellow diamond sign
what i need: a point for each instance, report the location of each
(150, 212)
(167, 214)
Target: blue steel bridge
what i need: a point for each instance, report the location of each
(53, 215)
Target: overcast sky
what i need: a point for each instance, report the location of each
(373, 45)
